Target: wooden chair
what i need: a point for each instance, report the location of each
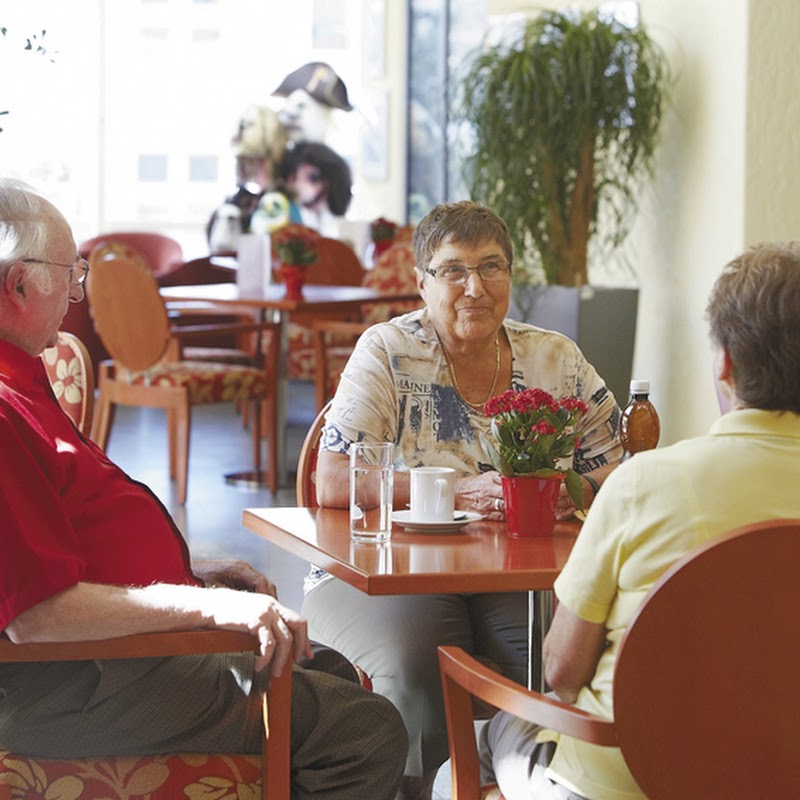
(145, 367)
(164, 776)
(705, 693)
(69, 369)
(334, 340)
(163, 254)
(306, 491)
(337, 265)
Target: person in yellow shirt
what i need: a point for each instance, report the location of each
(655, 508)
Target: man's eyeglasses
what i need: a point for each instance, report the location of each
(78, 270)
(457, 274)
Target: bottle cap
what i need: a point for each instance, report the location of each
(640, 387)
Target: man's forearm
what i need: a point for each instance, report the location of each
(98, 611)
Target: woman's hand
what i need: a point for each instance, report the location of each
(481, 493)
(234, 575)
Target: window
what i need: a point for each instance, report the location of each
(130, 124)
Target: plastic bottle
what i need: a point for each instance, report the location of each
(639, 426)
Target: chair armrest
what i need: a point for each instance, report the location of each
(503, 693)
(139, 645)
(276, 702)
(197, 331)
(463, 676)
(338, 326)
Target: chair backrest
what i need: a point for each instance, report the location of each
(161, 253)
(71, 375)
(337, 265)
(128, 312)
(307, 463)
(393, 272)
(705, 692)
(705, 680)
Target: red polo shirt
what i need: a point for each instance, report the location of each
(67, 513)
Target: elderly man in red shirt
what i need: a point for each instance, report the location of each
(86, 552)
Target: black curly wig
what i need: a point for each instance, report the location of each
(333, 167)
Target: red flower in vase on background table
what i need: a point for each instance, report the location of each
(532, 432)
(295, 247)
(381, 233)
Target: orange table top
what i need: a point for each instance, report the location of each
(481, 557)
(315, 297)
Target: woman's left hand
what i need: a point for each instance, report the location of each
(483, 494)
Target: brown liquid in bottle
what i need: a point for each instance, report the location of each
(639, 425)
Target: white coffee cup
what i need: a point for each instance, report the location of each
(432, 494)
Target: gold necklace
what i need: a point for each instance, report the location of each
(451, 370)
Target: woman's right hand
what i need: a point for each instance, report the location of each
(483, 494)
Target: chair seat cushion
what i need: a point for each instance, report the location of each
(157, 777)
(205, 381)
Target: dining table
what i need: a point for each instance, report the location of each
(479, 557)
(271, 300)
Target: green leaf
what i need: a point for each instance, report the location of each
(574, 487)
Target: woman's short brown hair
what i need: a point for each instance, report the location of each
(754, 314)
(466, 223)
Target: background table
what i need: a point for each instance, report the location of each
(272, 298)
(480, 558)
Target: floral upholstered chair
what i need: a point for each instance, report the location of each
(69, 369)
(333, 341)
(197, 776)
(337, 265)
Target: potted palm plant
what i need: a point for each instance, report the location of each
(564, 119)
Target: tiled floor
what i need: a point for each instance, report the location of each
(211, 518)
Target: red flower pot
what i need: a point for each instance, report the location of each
(531, 504)
(293, 277)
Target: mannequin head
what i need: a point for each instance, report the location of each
(312, 92)
(259, 143)
(304, 118)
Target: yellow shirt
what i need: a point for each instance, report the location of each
(652, 510)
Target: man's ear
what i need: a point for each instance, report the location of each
(15, 283)
(723, 366)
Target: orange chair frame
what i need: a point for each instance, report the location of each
(705, 694)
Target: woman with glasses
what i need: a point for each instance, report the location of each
(421, 381)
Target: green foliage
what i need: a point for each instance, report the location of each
(565, 118)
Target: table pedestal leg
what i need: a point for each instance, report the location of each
(540, 614)
(256, 480)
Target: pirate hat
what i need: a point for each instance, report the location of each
(320, 81)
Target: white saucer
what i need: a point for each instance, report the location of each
(421, 526)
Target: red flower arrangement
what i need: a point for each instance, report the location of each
(296, 245)
(531, 432)
(382, 230)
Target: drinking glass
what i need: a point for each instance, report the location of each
(371, 488)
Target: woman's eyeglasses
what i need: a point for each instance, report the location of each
(458, 274)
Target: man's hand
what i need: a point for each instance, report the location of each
(234, 575)
(282, 633)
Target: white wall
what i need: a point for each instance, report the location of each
(726, 179)
(692, 219)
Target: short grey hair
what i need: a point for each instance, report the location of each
(25, 220)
